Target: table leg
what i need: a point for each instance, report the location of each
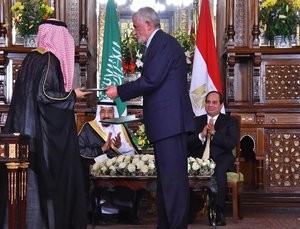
(23, 188)
(12, 186)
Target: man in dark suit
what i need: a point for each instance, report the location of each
(223, 130)
(168, 114)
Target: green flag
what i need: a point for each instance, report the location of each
(112, 70)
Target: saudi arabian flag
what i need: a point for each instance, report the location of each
(111, 69)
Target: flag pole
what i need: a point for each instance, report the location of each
(196, 15)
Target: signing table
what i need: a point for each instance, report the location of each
(197, 183)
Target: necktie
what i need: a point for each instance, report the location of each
(206, 152)
(144, 54)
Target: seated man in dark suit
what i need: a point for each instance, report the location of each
(99, 141)
(223, 130)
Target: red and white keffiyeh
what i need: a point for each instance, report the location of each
(59, 41)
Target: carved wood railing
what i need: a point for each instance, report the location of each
(262, 86)
(14, 150)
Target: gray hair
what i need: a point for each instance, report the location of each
(147, 14)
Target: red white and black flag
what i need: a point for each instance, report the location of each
(206, 73)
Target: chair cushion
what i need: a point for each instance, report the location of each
(234, 177)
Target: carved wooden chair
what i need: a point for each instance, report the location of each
(235, 180)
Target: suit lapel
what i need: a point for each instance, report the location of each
(152, 44)
(219, 122)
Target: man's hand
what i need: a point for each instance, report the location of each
(204, 132)
(117, 141)
(111, 92)
(80, 94)
(107, 144)
(211, 127)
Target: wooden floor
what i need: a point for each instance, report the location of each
(254, 218)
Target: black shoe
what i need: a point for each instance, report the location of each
(212, 221)
(221, 219)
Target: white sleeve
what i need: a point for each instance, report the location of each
(125, 148)
(201, 139)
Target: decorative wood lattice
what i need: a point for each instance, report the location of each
(282, 82)
(240, 23)
(284, 159)
(72, 15)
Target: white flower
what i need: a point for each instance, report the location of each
(151, 157)
(188, 57)
(138, 54)
(113, 160)
(281, 16)
(140, 164)
(191, 159)
(122, 165)
(151, 166)
(144, 169)
(142, 128)
(212, 165)
(108, 163)
(112, 170)
(145, 157)
(195, 166)
(131, 168)
(139, 63)
(135, 160)
(96, 166)
(119, 159)
(103, 169)
(127, 158)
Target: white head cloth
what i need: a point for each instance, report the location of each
(126, 148)
(114, 129)
(57, 39)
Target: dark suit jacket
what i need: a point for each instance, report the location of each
(163, 85)
(223, 142)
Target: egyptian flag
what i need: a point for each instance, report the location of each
(206, 73)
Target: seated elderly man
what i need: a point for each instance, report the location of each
(99, 141)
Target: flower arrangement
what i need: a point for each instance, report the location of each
(144, 165)
(141, 138)
(279, 17)
(28, 14)
(129, 165)
(132, 53)
(198, 166)
(188, 43)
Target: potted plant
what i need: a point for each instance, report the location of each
(27, 15)
(280, 19)
(132, 53)
(187, 41)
